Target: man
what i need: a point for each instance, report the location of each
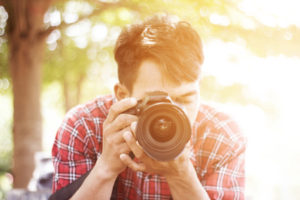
(157, 55)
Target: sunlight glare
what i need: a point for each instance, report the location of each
(79, 29)
(79, 7)
(70, 17)
(99, 32)
(219, 19)
(281, 13)
(55, 18)
(81, 42)
(269, 118)
(53, 37)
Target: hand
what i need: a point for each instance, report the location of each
(114, 127)
(168, 169)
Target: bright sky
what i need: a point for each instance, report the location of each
(273, 140)
(273, 12)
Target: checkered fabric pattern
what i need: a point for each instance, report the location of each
(217, 155)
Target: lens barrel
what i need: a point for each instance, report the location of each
(163, 129)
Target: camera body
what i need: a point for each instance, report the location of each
(163, 128)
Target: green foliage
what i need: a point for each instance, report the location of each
(74, 50)
(65, 63)
(4, 73)
(3, 45)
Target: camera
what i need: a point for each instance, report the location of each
(163, 128)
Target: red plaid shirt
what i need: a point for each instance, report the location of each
(218, 154)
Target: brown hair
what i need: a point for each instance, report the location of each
(175, 46)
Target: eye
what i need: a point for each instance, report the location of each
(183, 101)
(187, 98)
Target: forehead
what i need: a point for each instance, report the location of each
(150, 78)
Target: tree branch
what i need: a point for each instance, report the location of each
(102, 7)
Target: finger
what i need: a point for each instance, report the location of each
(122, 121)
(131, 164)
(117, 137)
(124, 149)
(130, 140)
(120, 107)
(133, 128)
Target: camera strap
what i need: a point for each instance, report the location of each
(68, 191)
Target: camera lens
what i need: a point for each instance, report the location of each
(162, 128)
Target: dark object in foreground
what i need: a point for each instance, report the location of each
(68, 191)
(163, 129)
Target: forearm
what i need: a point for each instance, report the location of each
(186, 185)
(98, 184)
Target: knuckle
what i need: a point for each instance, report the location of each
(126, 129)
(122, 119)
(113, 109)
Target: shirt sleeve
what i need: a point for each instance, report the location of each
(221, 159)
(74, 151)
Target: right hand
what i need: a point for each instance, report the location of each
(114, 126)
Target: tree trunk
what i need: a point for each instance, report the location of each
(27, 127)
(72, 92)
(26, 47)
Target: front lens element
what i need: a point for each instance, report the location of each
(162, 128)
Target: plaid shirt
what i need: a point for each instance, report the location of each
(218, 154)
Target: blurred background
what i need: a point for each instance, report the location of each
(56, 54)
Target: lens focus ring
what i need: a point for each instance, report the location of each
(163, 130)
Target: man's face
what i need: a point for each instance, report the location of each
(150, 79)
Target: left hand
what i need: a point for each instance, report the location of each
(146, 164)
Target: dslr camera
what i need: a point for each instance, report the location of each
(163, 128)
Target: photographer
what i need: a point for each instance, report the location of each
(101, 136)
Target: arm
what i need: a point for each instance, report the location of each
(185, 183)
(179, 173)
(99, 183)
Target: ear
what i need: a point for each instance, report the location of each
(121, 91)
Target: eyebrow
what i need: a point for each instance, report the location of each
(191, 93)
